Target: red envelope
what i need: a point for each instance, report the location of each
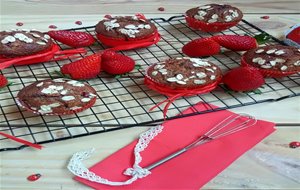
(190, 170)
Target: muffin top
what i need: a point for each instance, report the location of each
(58, 96)
(184, 72)
(274, 57)
(126, 27)
(212, 13)
(23, 42)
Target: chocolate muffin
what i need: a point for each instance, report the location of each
(274, 60)
(213, 17)
(23, 42)
(57, 97)
(184, 73)
(126, 28)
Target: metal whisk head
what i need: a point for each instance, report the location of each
(224, 128)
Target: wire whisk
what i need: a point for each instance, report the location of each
(228, 126)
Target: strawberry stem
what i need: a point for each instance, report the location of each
(256, 91)
(95, 43)
(118, 76)
(121, 75)
(60, 74)
(137, 67)
(262, 38)
(229, 91)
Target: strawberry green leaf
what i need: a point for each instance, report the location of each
(121, 75)
(137, 67)
(60, 74)
(257, 91)
(262, 38)
(10, 84)
(95, 43)
(229, 91)
(118, 76)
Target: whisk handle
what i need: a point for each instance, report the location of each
(171, 156)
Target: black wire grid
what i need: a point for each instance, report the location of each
(124, 102)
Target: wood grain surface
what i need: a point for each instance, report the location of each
(54, 7)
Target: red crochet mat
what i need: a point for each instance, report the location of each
(189, 171)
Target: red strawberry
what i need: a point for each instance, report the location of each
(3, 81)
(243, 79)
(201, 47)
(116, 64)
(236, 42)
(86, 68)
(73, 39)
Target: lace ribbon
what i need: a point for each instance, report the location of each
(77, 168)
(53, 54)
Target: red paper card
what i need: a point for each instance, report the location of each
(192, 169)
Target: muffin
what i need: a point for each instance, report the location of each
(273, 60)
(213, 17)
(56, 97)
(18, 43)
(25, 47)
(126, 30)
(183, 75)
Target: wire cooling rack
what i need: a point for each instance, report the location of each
(124, 102)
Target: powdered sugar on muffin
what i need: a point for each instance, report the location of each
(274, 57)
(123, 27)
(184, 72)
(57, 97)
(14, 43)
(212, 13)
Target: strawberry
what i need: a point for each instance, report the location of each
(201, 47)
(73, 39)
(86, 68)
(236, 42)
(3, 81)
(116, 64)
(243, 79)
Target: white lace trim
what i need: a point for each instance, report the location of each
(77, 167)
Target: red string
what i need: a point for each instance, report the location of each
(60, 55)
(48, 55)
(174, 94)
(37, 146)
